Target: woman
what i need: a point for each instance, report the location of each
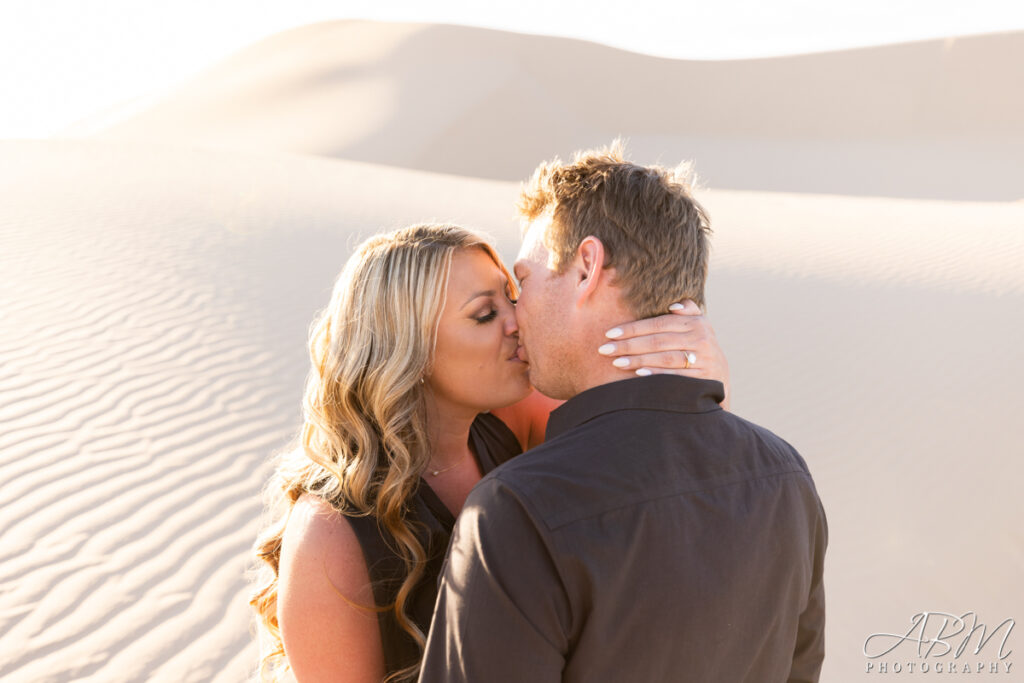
(416, 391)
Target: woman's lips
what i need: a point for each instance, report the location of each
(521, 354)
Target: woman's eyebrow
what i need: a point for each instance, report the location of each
(489, 292)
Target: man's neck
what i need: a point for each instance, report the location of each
(595, 369)
(598, 376)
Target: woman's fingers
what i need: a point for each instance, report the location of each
(668, 360)
(686, 307)
(653, 343)
(647, 372)
(679, 320)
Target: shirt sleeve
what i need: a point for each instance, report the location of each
(809, 652)
(501, 612)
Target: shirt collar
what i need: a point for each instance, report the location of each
(658, 392)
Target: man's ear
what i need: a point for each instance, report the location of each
(588, 268)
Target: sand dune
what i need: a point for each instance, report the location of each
(941, 119)
(158, 277)
(155, 299)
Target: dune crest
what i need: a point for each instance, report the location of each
(939, 119)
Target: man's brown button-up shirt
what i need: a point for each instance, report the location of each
(652, 537)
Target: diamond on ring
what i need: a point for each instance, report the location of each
(691, 358)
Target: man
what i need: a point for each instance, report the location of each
(653, 536)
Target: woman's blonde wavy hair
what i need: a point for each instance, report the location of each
(363, 443)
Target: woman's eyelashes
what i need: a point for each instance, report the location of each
(488, 317)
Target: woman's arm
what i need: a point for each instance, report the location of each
(649, 346)
(326, 638)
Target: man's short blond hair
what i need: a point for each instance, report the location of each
(654, 232)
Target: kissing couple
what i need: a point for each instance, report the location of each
(534, 475)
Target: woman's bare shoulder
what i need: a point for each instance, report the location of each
(315, 528)
(325, 598)
(320, 547)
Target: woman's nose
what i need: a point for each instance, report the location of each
(511, 325)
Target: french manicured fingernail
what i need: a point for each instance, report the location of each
(643, 372)
(614, 333)
(676, 307)
(620, 362)
(606, 349)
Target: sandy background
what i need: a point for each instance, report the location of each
(158, 273)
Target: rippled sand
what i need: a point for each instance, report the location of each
(154, 301)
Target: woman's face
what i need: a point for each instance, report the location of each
(475, 363)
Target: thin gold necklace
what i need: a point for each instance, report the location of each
(434, 473)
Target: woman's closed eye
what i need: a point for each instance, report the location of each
(487, 317)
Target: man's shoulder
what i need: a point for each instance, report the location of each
(534, 468)
(763, 434)
(521, 486)
(516, 474)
